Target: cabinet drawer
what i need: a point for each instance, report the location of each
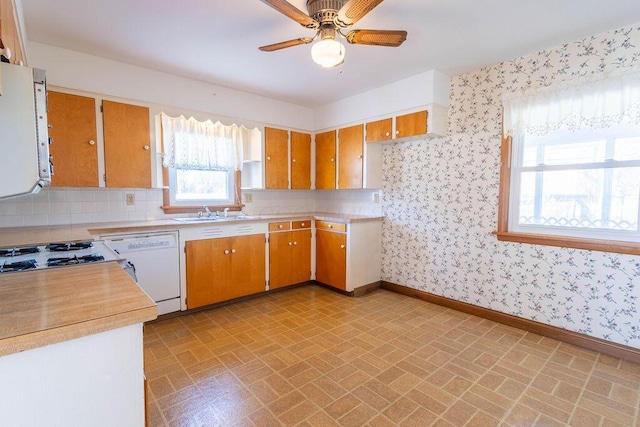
(279, 226)
(335, 226)
(296, 225)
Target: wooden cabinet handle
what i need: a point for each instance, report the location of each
(295, 243)
(386, 134)
(146, 148)
(268, 157)
(280, 226)
(360, 156)
(341, 246)
(226, 252)
(92, 142)
(233, 251)
(293, 160)
(330, 225)
(397, 132)
(302, 225)
(333, 160)
(290, 243)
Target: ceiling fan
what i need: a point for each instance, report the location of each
(328, 18)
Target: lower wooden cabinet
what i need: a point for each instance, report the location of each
(225, 268)
(289, 254)
(331, 254)
(348, 256)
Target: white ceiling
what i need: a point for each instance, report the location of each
(217, 40)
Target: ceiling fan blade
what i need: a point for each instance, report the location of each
(391, 38)
(353, 10)
(288, 43)
(292, 12)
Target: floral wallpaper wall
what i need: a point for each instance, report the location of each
(440, 199)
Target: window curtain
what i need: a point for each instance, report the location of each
(596, 103)
(190, 144)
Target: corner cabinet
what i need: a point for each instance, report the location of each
(284, 171)
(224, 268)
(289, 253)
(326, 160)
(348, 256)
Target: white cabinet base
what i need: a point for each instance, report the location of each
(97, 380)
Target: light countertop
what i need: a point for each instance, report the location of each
(39, 235)
(44, 307)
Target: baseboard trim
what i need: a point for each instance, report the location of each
(585, 341)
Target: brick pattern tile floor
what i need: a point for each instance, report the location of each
(312, 357)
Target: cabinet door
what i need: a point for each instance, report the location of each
(276, 155)
(300, 256)
(331, 258)
(326, 160)
(280, 259)
(411, 124)
(379, 130)
(350, 155)
(73, 135)
(208, 271)
(126, 145)
(247, 265)
(300, 161)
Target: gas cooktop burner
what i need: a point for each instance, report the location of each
(66, 247)
(55, 262)
(18, 266)
(19, 251)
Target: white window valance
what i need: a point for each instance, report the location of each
(191, 144)
(596, 103)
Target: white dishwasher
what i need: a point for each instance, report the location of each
(156, 259)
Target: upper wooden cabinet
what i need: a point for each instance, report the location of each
(300, 161)
(9, 34)
(126, 145)
(326, 160)
(350, 157)
(276, 148)
(278, 163)
(72, 121)
(411, 124)
(380, 130)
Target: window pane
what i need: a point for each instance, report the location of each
(586, 198)
(202, 185)
(557, 150)
(627, 149)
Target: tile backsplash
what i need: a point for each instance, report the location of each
(60, 206)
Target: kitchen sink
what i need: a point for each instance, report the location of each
(210, 219)
(196, 219)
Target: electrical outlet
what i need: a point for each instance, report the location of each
(131, 199)
(376, 197)
(248, 197)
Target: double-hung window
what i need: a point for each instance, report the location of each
(572, 173)
(202, 159)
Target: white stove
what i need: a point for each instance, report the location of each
(56, 255)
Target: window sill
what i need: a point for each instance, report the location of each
(629, 248)
(195, 209)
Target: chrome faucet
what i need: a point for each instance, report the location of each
(206, 209)
(226, 212)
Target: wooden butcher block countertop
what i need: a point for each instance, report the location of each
(43, 307)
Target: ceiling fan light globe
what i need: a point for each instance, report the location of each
(328, 53)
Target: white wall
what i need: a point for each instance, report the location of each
(431, 87)
(74, 70)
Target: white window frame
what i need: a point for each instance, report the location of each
(516, 168)
(231, 191)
